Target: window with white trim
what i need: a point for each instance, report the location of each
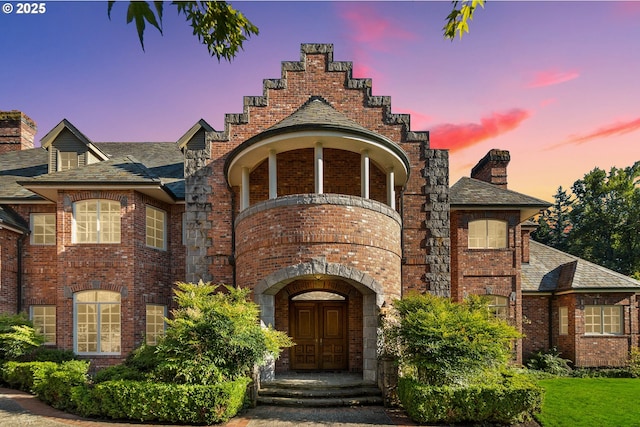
(97, 322)
(487, 234)
(156, 228)
(44, 321)
(96, 221)
(603, 319)
(155, 323)
(498, 306)
(563, 320)
(43, 228)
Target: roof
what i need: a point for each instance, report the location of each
(473, 192)
(11, 220)
(153, 163)
(551, 270)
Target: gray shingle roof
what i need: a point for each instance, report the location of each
(11, 219)
(552, 270)
(470, 192)
(159, 163)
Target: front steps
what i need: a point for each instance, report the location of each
(319, 390)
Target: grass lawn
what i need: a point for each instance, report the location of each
(589, 402)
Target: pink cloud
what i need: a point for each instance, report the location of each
(613, 129)
(418, 120)
(367, 25)
(551, 77)
(548, 101)
(456, 137)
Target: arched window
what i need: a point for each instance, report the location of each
(96, 221)
(499, 306)
(487, 234)
(97, 324)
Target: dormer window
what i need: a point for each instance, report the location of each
(67, 160)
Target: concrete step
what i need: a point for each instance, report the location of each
(315, 392)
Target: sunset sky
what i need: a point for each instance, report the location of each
(556, 84)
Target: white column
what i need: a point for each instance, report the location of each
(319, 169)
(364, 174)
(244, 189)
(273, 175)
(391, 191)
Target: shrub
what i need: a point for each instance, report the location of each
(53, 386)
(214, 336)
(161, 402)
(119, 372)
(443, 342)
(634, 361)
(513, 400)
(549, 361)
(19, 375)
(17, 336)
(44, 354)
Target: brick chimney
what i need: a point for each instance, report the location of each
(17, 131)
(492, 168)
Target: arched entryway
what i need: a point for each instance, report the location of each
(347, 305)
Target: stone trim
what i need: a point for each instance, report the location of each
(320, 199)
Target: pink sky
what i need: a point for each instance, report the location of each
(556, 84)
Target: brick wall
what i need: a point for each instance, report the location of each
(8, 271)
(535, 325)
(17, 131)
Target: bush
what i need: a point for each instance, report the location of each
(514, 400)
(19, 375)
(214, 336)
(17, 336)
(550, 362)
(634, 361)
(443, 342)
(53, 386)
(119, 372)
(161, 402)
(44, 354)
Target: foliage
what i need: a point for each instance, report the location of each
(44, 354)
(17, 336)
(19, 375)
(53, 386)
(586, 402)
(217, 25)
(549, 361)
(214, 336)
(458, 19)
(634, 362)
(599, 220)
(514, 399)
(161, 402)
(443, 342)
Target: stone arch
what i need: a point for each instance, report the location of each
(373, 297)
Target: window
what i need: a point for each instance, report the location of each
(43, 229)
(97, 322)
(603, 319)
(67, 160)
(563, 320)
(487, 234)
(498, 305)
(96, 221)
(156, 228)
(155, 323)
(44, 321)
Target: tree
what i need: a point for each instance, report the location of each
(554, 224)
(218, 26)
(224, 29)
(599, 221)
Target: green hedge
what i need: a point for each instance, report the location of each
(513, 401)
(54, 386)
(161, 402)
(19, 375)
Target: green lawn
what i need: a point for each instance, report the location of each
(590, 402)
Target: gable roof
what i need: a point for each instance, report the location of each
(51, 136)
(471, 193)
(24, 177)
(551, 270)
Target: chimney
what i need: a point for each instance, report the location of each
(17, 131)
(492, 168)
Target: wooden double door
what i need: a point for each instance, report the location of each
(319, 329)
